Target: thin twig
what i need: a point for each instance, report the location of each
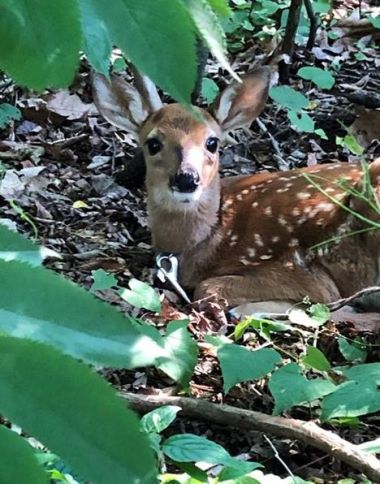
(334, 306)
(278, 457)
(275, 145)
(307, 432)
(289, 37)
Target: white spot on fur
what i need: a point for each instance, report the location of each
(282, 190)
(244, 261)
(293, 242)
(296, 212)
(245, 192)
(234, 237)
(268, 211)
(275, 238)
(303, 195)
(325, 206)
(239, 197)
(282, 220)
(251, 252)
(255, 204)
(265, 257)
(258, 240)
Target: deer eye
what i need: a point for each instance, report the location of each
(154, 146)
(212, 144)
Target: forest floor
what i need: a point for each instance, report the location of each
(76, 186)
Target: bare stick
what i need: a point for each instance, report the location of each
(307, 432)
(334, 306)
(289, 37)
(313, 24)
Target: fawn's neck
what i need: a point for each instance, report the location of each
(183, 230)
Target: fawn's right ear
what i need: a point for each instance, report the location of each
(123, 105)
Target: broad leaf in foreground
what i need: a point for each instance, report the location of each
(290, 388)
(239, 364)
(74, 412)
(18, 462)
(14, 246)
(369, 372)
(157, 37)
(40, 41)
(38, 304)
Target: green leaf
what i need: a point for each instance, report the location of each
(210, 89)
(289, 387)
(141, 295)
(8, 113)
(193, 448)
(156, 37)
(375, 21)
(102, 280)
(301, 121)
(220, 7)
(74, 412)
(160, 418)
(97, 40)
(371, 447)
(211, 31)
(14, 246)
(320, 313)
(316, 359)
(288, 98)
(351, 399)
(352, 351)
(351, 143)
(40, 42)
(239, 364)
(321, 78)
(181, 352)
(369, 372)
(38, 304)
(321, 133)
(18, 461)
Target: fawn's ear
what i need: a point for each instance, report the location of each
(123, 105)
(240, 103)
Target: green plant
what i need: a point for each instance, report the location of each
(60, 401)
(40, 42)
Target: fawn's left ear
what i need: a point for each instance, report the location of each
(240, 103)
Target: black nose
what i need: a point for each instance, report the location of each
(186, 182)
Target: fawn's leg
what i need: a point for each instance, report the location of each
(271, 282)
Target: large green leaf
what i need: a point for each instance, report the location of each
(351, 399)
(18, 464)
(290, 388)
(13, 246)
(181, 352)
(97, 40)
(369, 372)
(288, 98)
(40, 305)
(40, 41)
(320, 77)
(36, 303)
(158, 37)
(239, 364)
(73, 412)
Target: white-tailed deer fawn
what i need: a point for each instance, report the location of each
(246, 238)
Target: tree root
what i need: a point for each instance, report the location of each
(307, 432)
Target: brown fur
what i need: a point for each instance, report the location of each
(252, 238)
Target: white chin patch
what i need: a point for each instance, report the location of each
(186, 198)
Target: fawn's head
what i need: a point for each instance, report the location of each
(181, 150)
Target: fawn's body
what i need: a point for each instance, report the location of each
(249, 238)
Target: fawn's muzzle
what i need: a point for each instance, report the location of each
(185, 181)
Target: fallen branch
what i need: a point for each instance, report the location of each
(307, 432)
(334, 306)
